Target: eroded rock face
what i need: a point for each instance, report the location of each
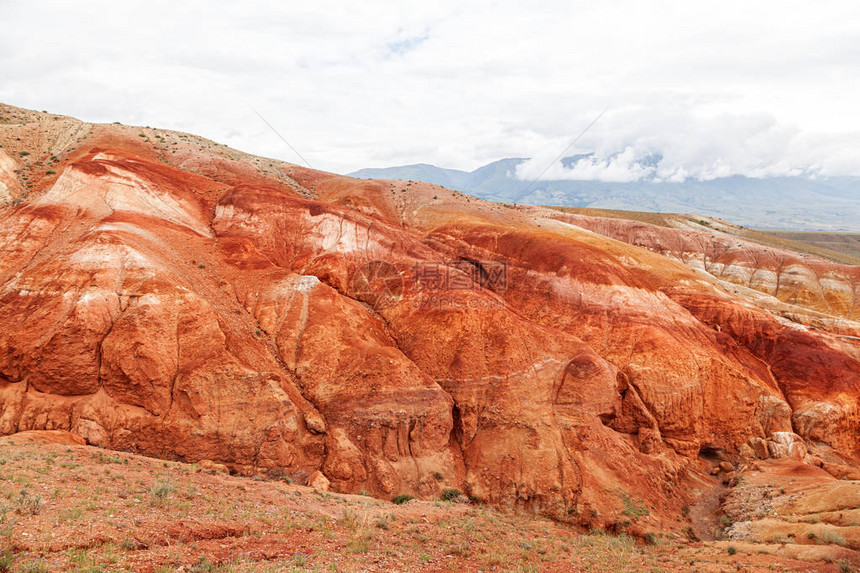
(213, 314)
(787, 276)
(8, 180)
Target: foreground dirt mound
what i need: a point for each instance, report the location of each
(79, 508)
(165, 295)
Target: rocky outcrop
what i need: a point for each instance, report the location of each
(170, 297)
(787, 276)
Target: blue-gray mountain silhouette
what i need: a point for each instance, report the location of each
(802, 203)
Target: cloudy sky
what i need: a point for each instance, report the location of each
(713, 88)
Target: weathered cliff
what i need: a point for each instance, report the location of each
(165, 295)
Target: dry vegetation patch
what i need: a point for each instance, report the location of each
(73, 507)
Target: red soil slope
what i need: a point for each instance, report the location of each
(164, 295)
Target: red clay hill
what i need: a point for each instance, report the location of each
(165, 295)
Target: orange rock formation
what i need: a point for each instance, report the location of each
(165, 295)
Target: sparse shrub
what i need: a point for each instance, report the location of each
(37, 566)
(160, 492)
(82, 560)
(845, 566)
(691, 534)
(70, 515)
(732, 550)
(106, 459)
(725, 521)
(30, 505)
(360, 544)
(205, 566)
(23, 153)
(6, 560)
(349, 520)
(810, 535)
(633, 508)
(650, 539)
(833, 537)
(403, 498)
(50, 171)
(451, 494)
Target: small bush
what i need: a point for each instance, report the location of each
(360, 544)
(833, 537)
(30, 505)
(106, 459)
(70, 515)
(403, 498)
(6, 561)
(205, 566)
(451, 494)
(50, 171)
(37, 566)
(23, 153)
(160, 492)
(691, 534)
(732, 550)
(633, 508)
(845, 566)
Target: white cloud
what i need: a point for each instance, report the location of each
(675, 142)
(714, 87)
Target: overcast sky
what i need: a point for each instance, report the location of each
(715, 88)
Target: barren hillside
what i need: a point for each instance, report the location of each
(163, 295)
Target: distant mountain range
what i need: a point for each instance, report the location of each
(793, 203)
